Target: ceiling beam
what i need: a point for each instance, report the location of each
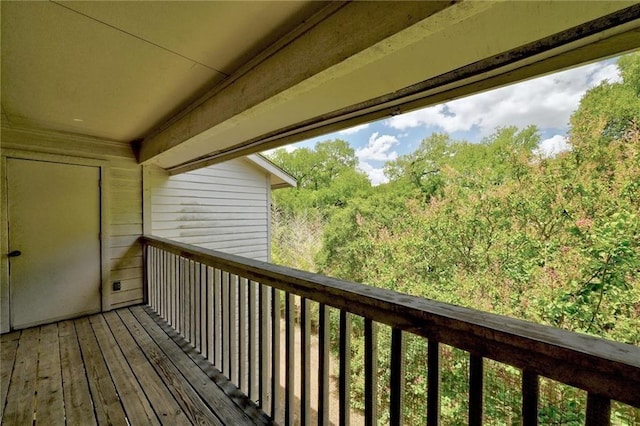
(334, 34)
(347, 68)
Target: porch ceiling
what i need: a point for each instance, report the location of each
(116, 69)
(208, 81)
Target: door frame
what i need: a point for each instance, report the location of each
(103, 166)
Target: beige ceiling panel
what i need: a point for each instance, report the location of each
(64, 71)
(220, 35)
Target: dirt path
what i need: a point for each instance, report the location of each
(355, 417)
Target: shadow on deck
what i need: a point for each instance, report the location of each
(120, 367)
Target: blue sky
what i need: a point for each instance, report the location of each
(546, 101)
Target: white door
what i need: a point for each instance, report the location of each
(54, 222)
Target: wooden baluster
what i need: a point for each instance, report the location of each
(530, 390)
(181, 295)
(305, 367)
(263, 346)
(242, 324)
(370, 372)
(208, 290)
(598, 410)
(192, 303)
(217, 318)
(224, 319)
(275, 353)
(323, 365)
(163, 280)
(289, 360)
(169, 293)
(187, 299)
(203, 310)
(176, 292)
(159, 281)
(196, 307)
(396, 397)
(161, 284)
(151, 277)
(211, 272)
(233, 329)
(345, 368)
(252, 370)
(433, 383)
(476, 385)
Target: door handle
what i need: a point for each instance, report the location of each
(14, 253)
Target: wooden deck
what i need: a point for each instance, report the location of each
(117, 368)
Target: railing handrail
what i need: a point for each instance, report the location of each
(603, 367)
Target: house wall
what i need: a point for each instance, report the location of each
(122, 209)
(223, 207)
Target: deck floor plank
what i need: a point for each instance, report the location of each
(134, 400)
(77, 397)
(164, 404)
(182, 390)
(229, 389)
(8, 348)
(20, 397)
(122, 367)
(106, 403)
(206, 388)
(49, 394)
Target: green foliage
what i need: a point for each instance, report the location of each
(495, 227)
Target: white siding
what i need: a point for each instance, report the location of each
(124, 201)
(222, 207)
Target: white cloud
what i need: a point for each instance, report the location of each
(610, 72)
(353, 130)
(376, 175)
(546, 102)
(553, 146)
(287, 148)
(378, 148)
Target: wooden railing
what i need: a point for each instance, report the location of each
(229, 309)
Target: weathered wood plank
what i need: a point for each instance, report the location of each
(165, 406)
(49, 394)
(131, 394)
(211, 394)
(232, 392)
(105, 399)
(8, 348)
(21, 396)
(77, 397)
(181, 389)
(593, 364)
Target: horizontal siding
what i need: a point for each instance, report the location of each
(221, 207)
(124, 198)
